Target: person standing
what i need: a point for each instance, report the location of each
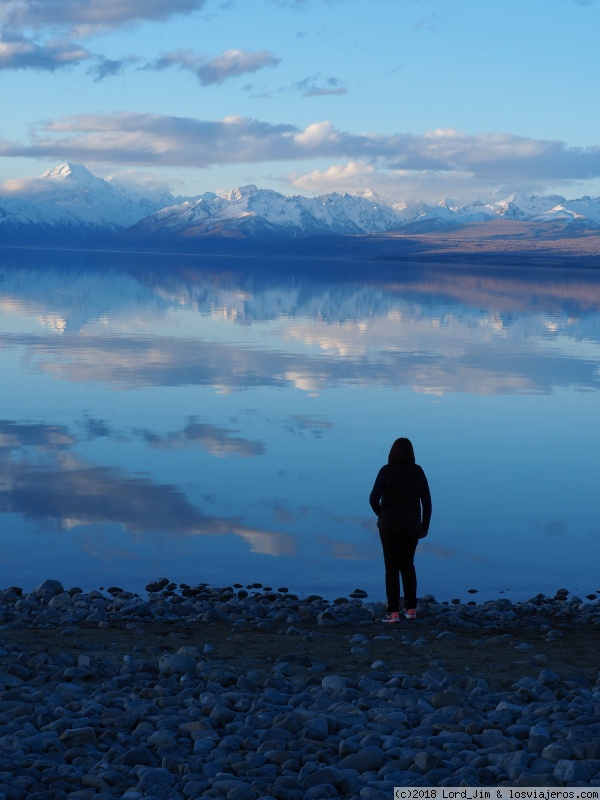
(401, 500)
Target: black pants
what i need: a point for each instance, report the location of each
(398, 555)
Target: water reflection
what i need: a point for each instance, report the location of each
(457, 357)
(52, 485)
(219, 442)
(201, 416)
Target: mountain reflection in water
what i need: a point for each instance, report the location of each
(223, 420)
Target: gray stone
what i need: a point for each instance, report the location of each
(174, 663)
(369, 759)
(425, 761)
(325, 775)
(48, 588)
(137, 756)
(548, 678)
(448, 698)
(152, 777)
(60, 600)
(161, 739)
(221, 715)
(334, 682)
(570, 772)
(316, 729)
(77, 737)
(555, 753)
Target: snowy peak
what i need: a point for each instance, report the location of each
(241, 193)
(71, 172)
(69, 204)
(265, 214)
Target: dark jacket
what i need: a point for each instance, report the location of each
(401, 499)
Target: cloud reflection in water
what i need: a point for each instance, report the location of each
(138, 362)
(194, 408)
(66, 491)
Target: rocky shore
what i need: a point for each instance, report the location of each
(251, 693)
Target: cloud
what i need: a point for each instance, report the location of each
(15, 435)
(97, 429)
(217, 441)
(152, 139)
(441, 157)
(348, 177)
(69, 492)
(444, 553)
(555, 527)
(464, 364)
(89, 17)
(267, 543)
(18, 52)
(302, 424)
(350, 551)
(309, 87)
(107, 67)
(230, 64)
(78, 495)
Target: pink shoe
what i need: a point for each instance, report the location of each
(391, 616)
(411, 613)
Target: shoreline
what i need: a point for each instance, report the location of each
(255, 694)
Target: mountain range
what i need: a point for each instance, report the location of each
(70, 206)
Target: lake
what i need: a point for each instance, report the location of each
(222, 420)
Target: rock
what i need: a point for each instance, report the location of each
(174, 663)
(369, 759)
(379, 665)
(77, 737)
(316, 729)
(155, 725)
(555, 753)
(48, 588)
(570, 773)
(548, 678)
(221, 715)
(334, 682)
(60, 600)
(448, 698)
(153, 777)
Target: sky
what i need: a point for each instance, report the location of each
(411, 99)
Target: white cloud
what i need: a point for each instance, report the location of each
(89, 17)
(107, 67)
(19, 52)
(229, 64)
(350, 177)
(232, 63)
(314, 86)
(24, 187)
(447, 159)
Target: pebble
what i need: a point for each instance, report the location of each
(156, 725)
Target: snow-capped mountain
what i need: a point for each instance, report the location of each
(69, 205)
(265, 214)
(525, 207)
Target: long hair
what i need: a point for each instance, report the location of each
(402, 452)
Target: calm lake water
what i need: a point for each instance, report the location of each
(222, 420)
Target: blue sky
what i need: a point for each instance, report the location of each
(409, 98)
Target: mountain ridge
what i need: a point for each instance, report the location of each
(69, 205)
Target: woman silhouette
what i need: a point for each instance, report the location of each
(401, 500)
